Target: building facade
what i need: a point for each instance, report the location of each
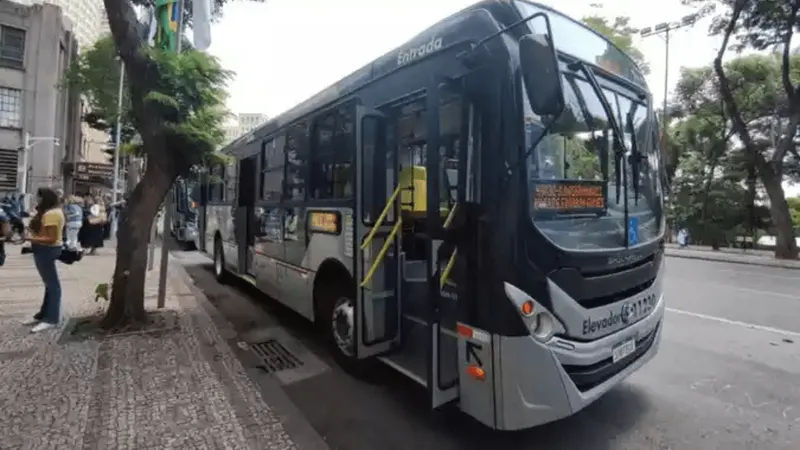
(243, 123)
(89, 23)
(40, 123)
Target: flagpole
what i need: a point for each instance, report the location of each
(166, 229)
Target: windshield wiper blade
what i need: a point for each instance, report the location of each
(635, 158)
(619, 153)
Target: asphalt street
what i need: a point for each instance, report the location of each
(726, 376)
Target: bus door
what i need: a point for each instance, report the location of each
(245, 213)
(448, 124)
(378, 231)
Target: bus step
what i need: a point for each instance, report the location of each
(415, 270)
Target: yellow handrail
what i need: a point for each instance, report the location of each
(379, 222)
(450, 216)
(452, 261)
(381, 253)
(447, 269)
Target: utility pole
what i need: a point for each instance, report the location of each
(117, 142)
(165, 231)
(665, 29)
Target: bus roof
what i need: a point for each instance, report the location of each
(390, 61)
(364, 75)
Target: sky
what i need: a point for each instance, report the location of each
(285, 51)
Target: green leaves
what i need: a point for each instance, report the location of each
(620, 32)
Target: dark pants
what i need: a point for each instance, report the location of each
(45, 257)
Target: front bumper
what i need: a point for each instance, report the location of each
(555, 380)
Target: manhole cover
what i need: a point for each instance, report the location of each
(275, 356)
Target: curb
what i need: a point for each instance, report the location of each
(301, 432)
(766, 263)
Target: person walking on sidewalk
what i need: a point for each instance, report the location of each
(46, 243)
(74, 216)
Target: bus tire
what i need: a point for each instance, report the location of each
(337, 309)
(220, 272)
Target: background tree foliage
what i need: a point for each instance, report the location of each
(709, 189)
(764, 114)
(619, 31)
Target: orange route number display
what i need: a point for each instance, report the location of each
(569, 197)
(324, 222)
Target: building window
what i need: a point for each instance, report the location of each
(12, 47)
(10, 108)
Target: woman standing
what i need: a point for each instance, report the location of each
(46, 244)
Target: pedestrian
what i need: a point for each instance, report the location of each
(46, 244)
(95, 213)
(74, 218)
(4, 232)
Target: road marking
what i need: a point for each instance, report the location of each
(735, 322)
(757, 291)
(755, 273)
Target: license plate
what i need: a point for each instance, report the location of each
(623, 349)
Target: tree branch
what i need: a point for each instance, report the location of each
(791, 92)
(731, 107)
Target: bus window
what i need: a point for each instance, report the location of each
(332, 174)
(297, 152)
(272, 168)
(216, 185)
(450, 129)
(230, 181)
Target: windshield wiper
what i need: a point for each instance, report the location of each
(619, 152)
(635, 157)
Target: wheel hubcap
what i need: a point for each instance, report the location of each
(343, 325)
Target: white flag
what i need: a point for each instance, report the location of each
(201, 12)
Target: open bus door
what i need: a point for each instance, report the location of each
(377, 226)
(442, 205)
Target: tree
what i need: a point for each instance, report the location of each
(176, 107)
(702, 129)
(761, 25)
(794, 208)
(619, 31)
(95, 74)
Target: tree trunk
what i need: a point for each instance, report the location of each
(785, 245)
(127, 289)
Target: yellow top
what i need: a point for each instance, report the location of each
(54, 218)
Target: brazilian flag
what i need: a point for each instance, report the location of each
(167, 13)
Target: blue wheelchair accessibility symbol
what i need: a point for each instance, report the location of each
(633, 231)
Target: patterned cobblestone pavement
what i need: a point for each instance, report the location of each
(179, 388)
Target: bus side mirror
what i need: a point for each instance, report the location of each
(540, 73)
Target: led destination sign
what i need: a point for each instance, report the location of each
(569, 196)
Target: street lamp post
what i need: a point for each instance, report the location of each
(29, 142)
(665, 29)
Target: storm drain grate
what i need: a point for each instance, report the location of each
(275, 356)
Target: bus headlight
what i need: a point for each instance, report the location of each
(541, 322)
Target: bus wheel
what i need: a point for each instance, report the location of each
(343, 327)
(338, 326)
(220, 272)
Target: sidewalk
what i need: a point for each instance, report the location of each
(179, 387)
(731, 255)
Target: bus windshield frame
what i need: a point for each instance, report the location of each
(584, 195)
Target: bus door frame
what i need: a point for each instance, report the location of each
(245, 210)
(389, 331)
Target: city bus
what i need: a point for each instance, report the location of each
(480, 209)
(183, 226)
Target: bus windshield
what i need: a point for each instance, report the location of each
(581, 181)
